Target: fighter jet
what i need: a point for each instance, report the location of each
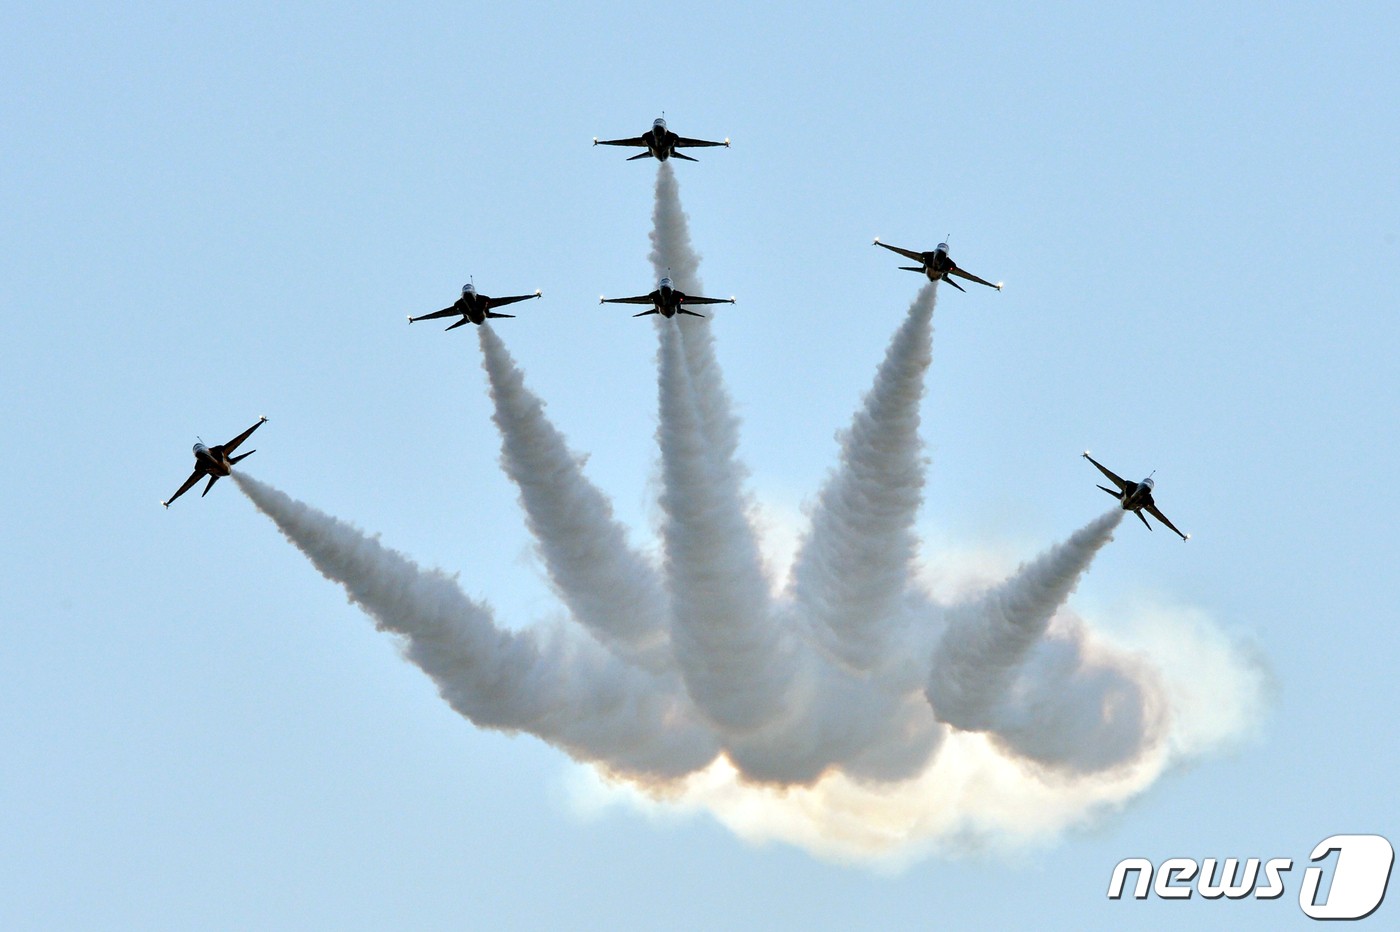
(474, 308)
(937, 265)
(660, 143)
(1135, 496)
(666, 300)
(214, 462)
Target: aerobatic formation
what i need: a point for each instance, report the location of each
(863, 703)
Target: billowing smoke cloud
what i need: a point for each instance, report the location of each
(854, 709)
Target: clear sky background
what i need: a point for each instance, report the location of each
(215, 213)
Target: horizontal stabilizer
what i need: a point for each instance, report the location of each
(494, 314)
(912, 268)
(1111, 492)
(645, 313)
(464, 320)
(691, 313)
(1143, 518)
(953, 283)
(644, 155)
(212, 480)
(241, 456)
(678, 155)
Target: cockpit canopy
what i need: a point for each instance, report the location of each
(666, 284)
(1148, 484)
(659, 123)
(468, 289)
(943, 248)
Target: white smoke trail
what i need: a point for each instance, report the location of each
(673, 253)
(607, 586)
(853, 568)
(564, 690)
(736, 667)
(982, 649)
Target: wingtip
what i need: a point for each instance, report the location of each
(876, 242)
(262, 418)
(601, 299)
(1085, 454)
(1001, 285)
(595, 140)
(538, 292)
(726, 142)
(165, 505)
(1185, 536)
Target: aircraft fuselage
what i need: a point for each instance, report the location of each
(660, 142)
(213, 461)
(937, 264)
(473, 306)
(1137, 495)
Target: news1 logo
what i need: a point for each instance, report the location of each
(1358, 878)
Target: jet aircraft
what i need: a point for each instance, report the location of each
(666, 300)
(937, 265)
(660, 143)
(214, 462)
(474, 308)
(1135, 496)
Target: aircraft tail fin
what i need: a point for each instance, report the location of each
(241, 456)
(212, 480)
(644, 155)
(464, 320)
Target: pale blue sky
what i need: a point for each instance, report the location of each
(212, 214)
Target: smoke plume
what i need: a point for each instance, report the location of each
(845, 704)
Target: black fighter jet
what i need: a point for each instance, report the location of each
(214, 462)
(474, 308)
(666, 301)
(660, 143)
(1135, 496)
(937, 265)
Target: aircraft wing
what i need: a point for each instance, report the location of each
(634, 141)
(689, 299)
(452, 311)
(639, 299)
(1152, 510)
(1107, 472)
(907, 253)
(194, 477)
(233, 444)
(683, 142)
(972, 278)
(502, 302)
